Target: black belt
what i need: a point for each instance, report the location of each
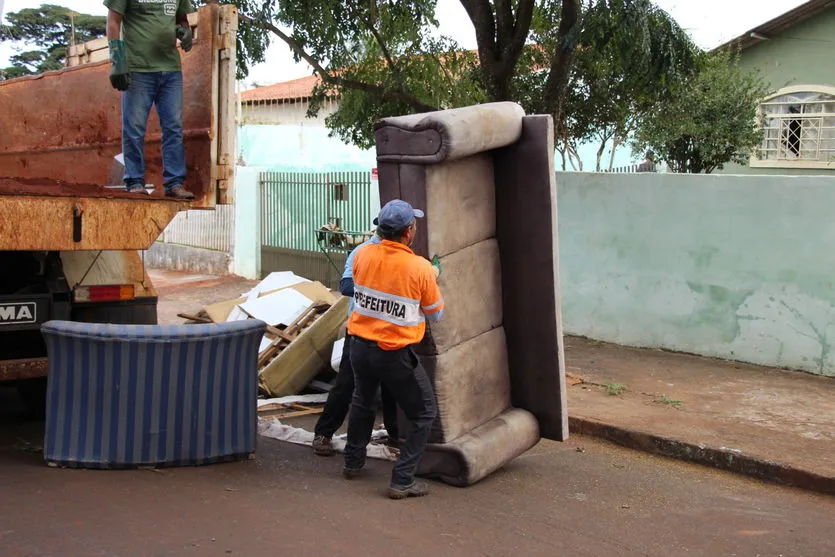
(364, 340)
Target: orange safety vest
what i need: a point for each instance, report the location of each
(393, 291)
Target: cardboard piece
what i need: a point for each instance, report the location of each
(306, 356)
(278, 308)
(237, 314)
(275, 281)
(219, 311)
(316, 291)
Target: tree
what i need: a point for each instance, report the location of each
(382, 56)
(49, 29)
(709, 120)
(616, 78)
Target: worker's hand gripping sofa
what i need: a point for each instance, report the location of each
(484, 175)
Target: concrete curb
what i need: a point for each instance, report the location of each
(715, 457)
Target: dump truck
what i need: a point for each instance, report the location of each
(71, 238)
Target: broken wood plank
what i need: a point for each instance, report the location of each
(197, 318)
(288, 412)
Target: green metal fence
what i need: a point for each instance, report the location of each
(295, 206)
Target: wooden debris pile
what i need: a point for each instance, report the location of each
(304, 319)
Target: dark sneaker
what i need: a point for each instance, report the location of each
(393, 443)
(179, 192)
(351, 473)
(417, 489)
(322, 446)
(136, 188)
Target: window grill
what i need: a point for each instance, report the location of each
(798, 127)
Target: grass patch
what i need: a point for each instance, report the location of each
(615, 389)
(664, 399)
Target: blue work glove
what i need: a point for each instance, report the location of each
(436, 262)
(185, 36)
(119, 73)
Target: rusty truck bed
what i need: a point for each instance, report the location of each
(66, 125)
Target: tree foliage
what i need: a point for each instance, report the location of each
(46, 32)
(710, 118)
(589, 63)
(629, 54)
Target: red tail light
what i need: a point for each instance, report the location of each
(104, 293)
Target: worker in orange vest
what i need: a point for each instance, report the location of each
(395, 293)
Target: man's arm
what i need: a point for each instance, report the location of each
(114, 25)
(183, 28)
(119, 71)
(346, 283)
(431, 301)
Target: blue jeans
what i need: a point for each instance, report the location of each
(165, 91)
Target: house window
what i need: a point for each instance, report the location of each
(798, 129)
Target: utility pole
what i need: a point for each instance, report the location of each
(72, 27)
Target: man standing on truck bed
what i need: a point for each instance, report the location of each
(142, 35)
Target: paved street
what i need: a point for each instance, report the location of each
(584, 497)
(579, 498)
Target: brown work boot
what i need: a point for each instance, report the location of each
(417, 489)
(179, 192)
(351, 473)
(136, 188)
(322, 446)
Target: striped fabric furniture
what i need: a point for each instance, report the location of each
(122, 396)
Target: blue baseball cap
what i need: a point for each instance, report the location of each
(396, 215)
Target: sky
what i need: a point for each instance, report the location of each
(709, 22)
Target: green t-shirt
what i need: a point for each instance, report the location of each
(149, 29)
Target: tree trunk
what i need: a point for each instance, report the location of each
(501, 39)
(615, 143)
(600, 154)
(557, 82)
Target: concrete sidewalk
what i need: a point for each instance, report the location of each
(772, 424)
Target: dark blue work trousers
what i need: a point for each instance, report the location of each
(401, 372)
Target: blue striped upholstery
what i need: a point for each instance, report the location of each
(130, 395)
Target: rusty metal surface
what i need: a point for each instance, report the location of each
(28, 368)
(66, 125)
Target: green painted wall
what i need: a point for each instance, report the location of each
(802, 55)
(735, 267)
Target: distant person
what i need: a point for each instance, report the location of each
(142, 35)
(395, 293)
(649, 163)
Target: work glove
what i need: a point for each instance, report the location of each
(119, 73)
(436, 264)
(184, 34)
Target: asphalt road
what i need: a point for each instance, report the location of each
(579, 498)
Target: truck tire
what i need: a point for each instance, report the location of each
(33, 394)
(140, 311)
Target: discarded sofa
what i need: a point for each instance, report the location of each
(122, 396)
(484, 176)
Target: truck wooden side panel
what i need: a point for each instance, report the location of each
(86, 221)
(66, 125)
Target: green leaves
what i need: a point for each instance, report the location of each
(709, 119)
(599, 66)
(50, 29)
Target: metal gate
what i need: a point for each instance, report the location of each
(294, 208)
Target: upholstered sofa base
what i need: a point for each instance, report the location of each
(123, 396)
(480, 452)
